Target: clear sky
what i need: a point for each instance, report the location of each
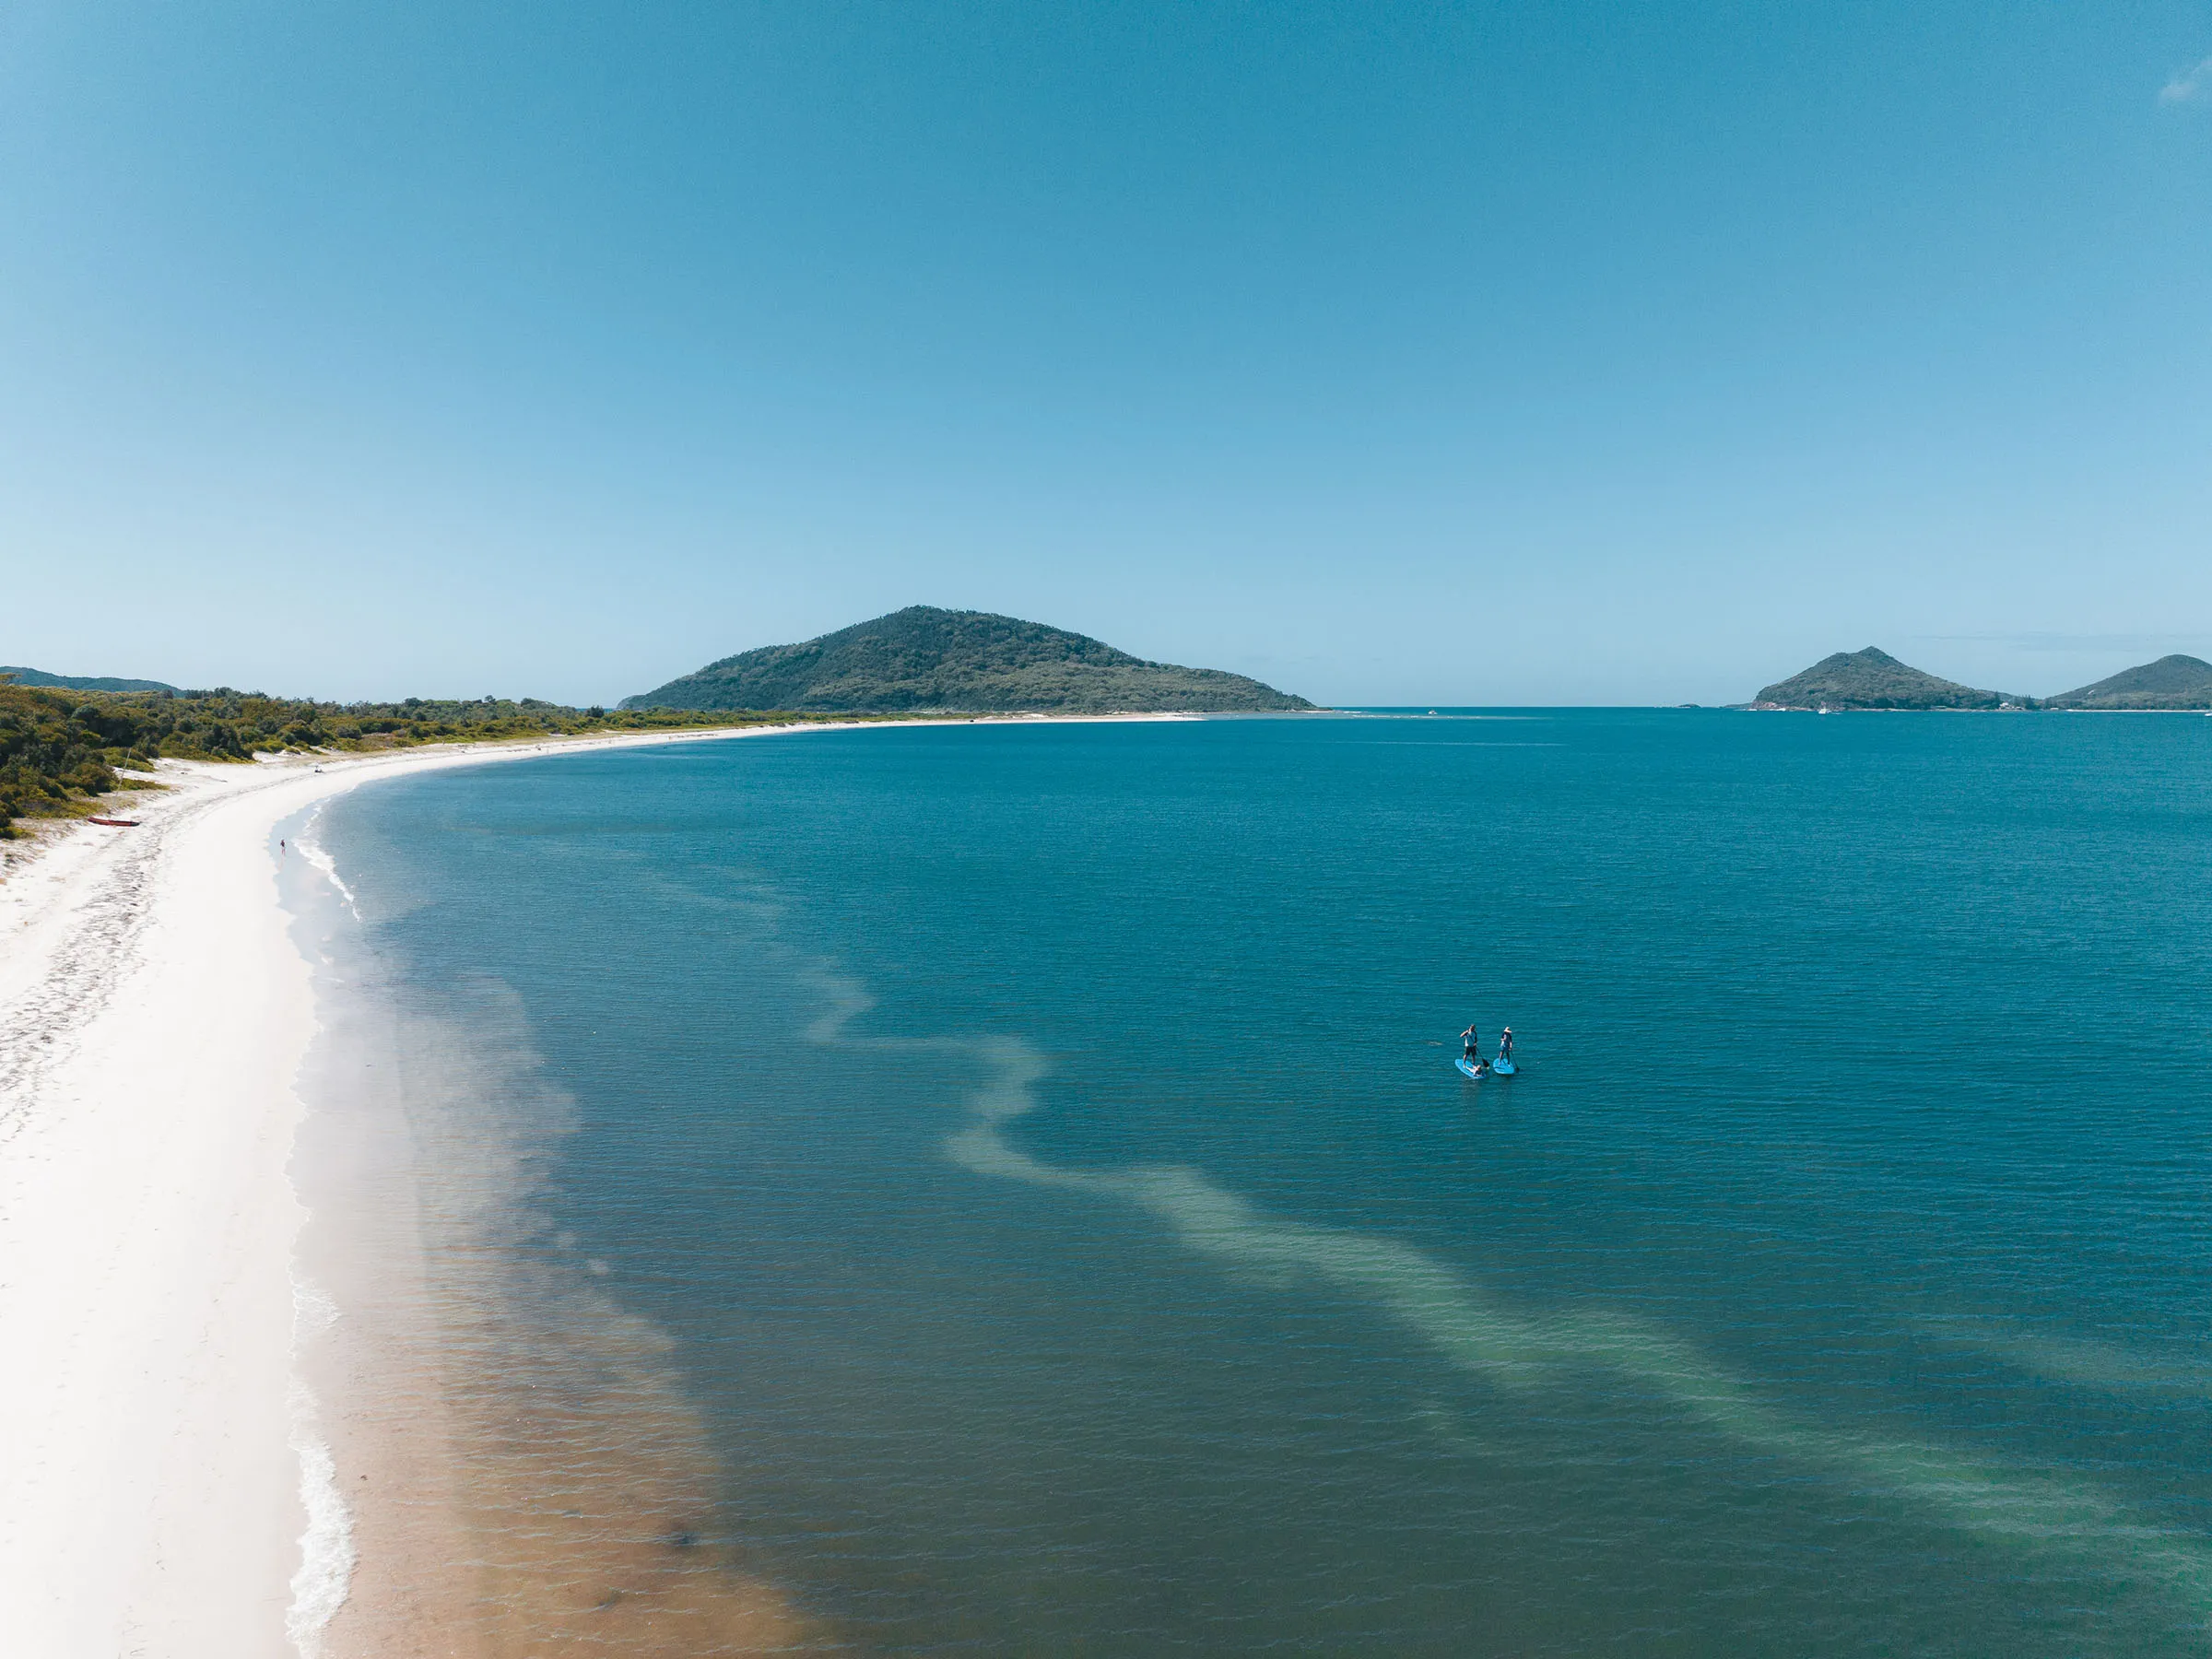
(1392, 352)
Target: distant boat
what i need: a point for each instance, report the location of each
(115, 823)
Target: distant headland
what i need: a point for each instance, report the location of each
(78, 682)
(923, 658)
(1875, 679)
(2171, 682)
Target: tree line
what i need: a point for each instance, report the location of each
(59, 749)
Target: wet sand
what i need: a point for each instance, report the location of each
(524, 1471)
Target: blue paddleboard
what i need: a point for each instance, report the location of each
(1474, 1068)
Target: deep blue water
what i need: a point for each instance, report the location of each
(1041, 1145)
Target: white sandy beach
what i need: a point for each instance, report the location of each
(154, 1016)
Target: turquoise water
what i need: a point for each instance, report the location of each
(1039, 1146)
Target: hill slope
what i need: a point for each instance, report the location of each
(969, 662)
(1875, 679)
(73, 682)
(2171, 682)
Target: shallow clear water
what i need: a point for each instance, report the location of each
(1039, 1149)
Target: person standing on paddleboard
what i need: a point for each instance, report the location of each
(1505, 1045)
(1470, 1044)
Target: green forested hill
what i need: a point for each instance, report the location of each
(923, 658)
(1875, 679)
(2171, 682)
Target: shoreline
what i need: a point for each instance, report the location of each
(156, 1015)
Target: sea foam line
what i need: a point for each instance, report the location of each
(316, 854)
(324, 1575)
(1478, 1334)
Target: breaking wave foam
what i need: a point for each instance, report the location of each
(319, 856)
(326, 1552)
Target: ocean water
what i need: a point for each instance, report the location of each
(1004, 1189)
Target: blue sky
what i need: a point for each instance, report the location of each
(1611, 353)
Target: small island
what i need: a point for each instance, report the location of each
(1875, 679)
(922, 659)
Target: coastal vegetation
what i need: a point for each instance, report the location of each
(59, 748)
(922, 659)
